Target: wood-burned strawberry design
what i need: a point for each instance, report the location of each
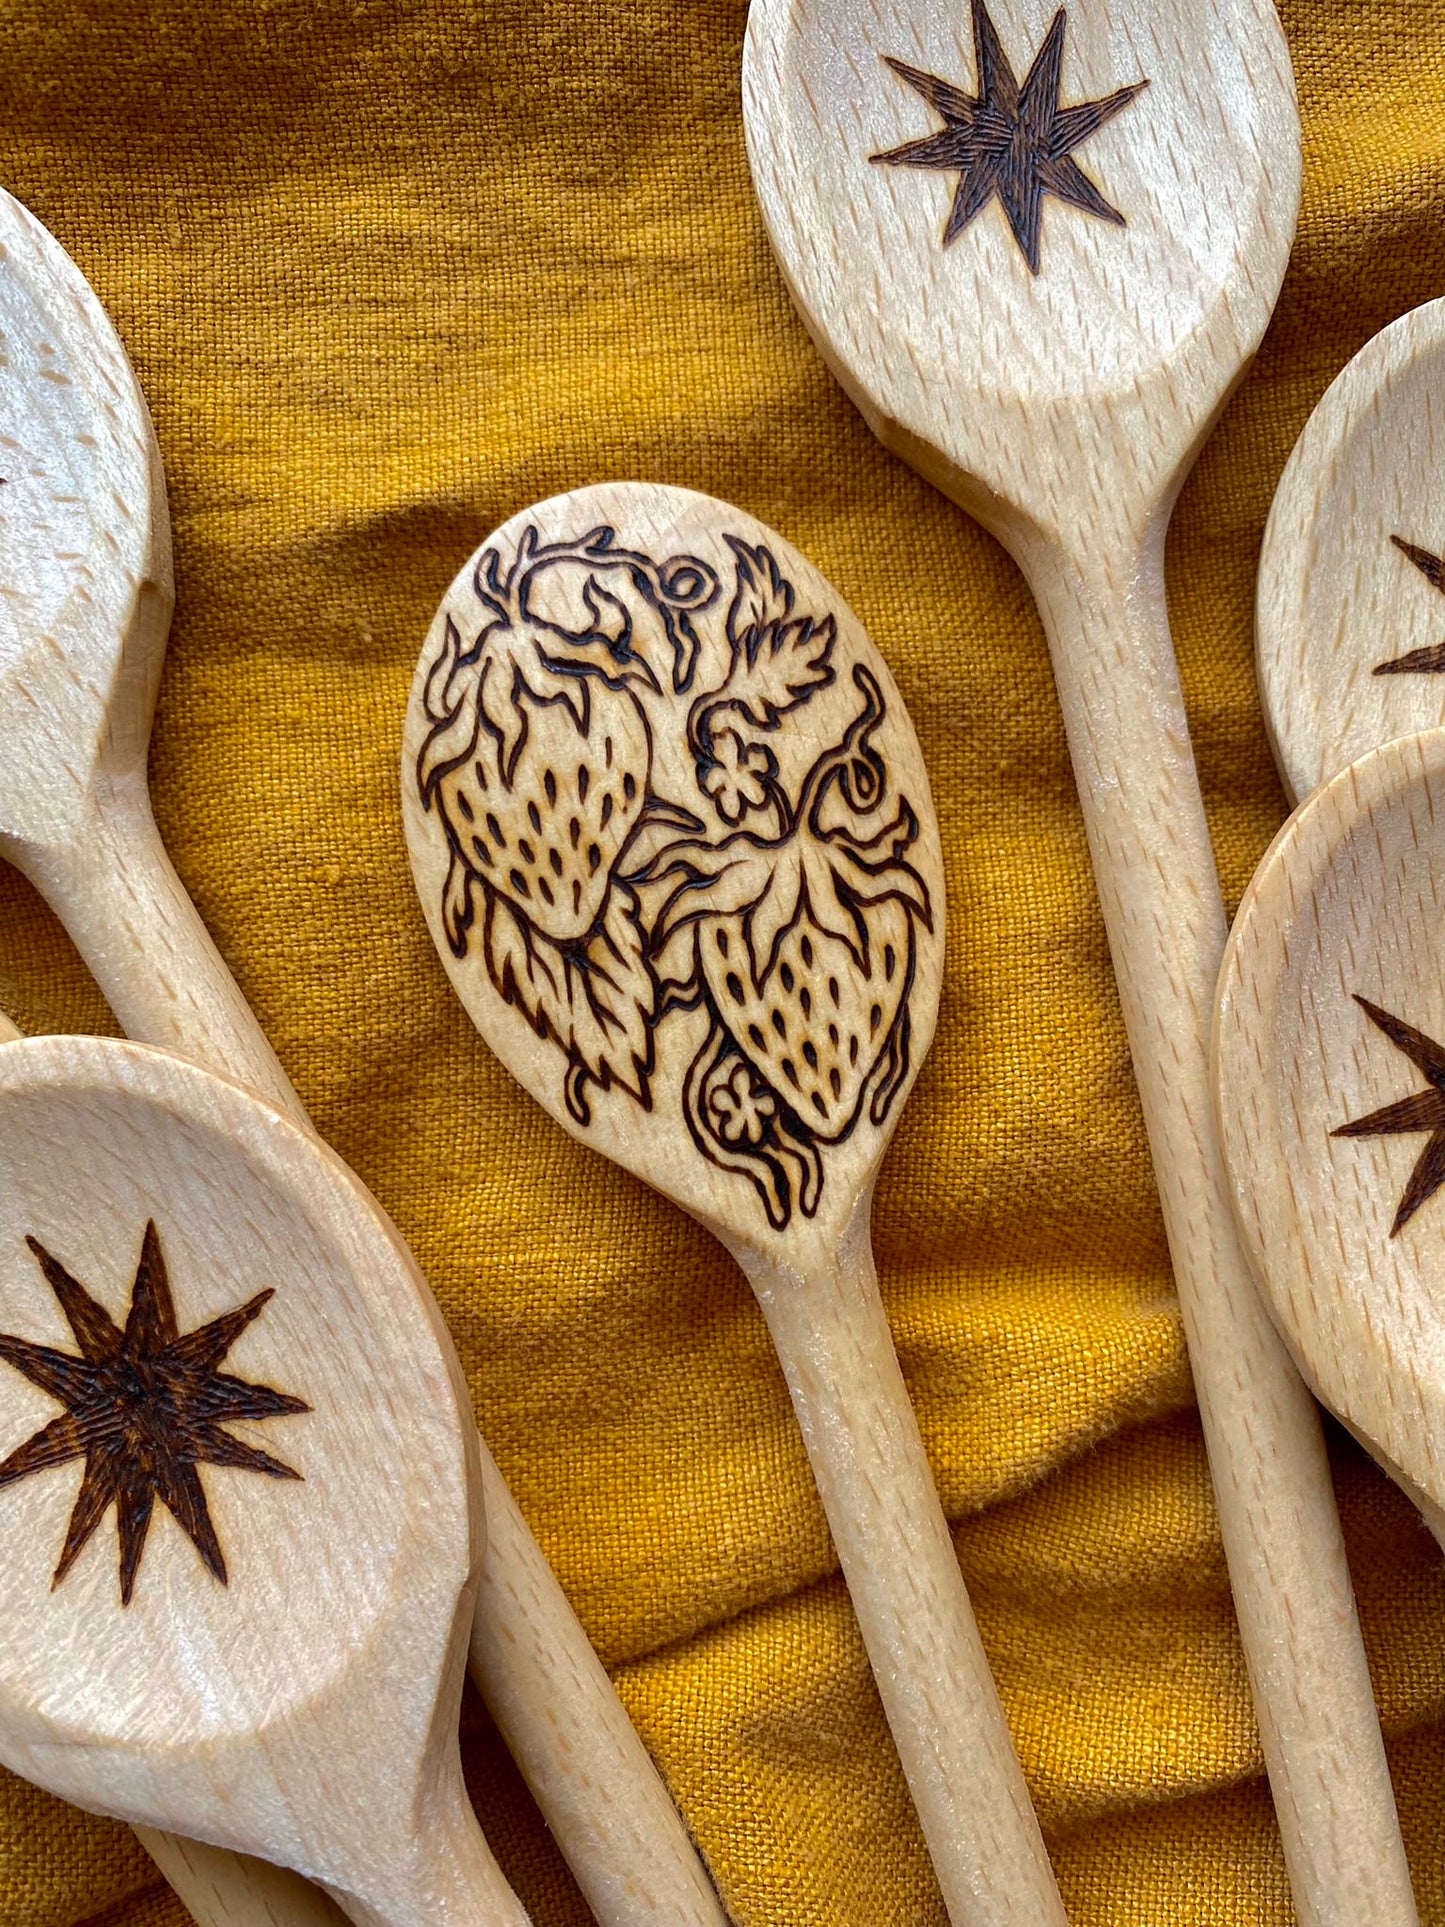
(801, 946)
(538, 763)
(780, 907)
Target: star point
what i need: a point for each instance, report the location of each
(1423, 1112)
(144, 1407)
(1429, 661)
(1011, 141)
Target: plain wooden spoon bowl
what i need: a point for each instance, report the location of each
(1350, 615)
(1330, 1082)
(1038, 249)
(674, 840)
(211, 1333)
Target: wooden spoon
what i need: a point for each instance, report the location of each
(250, 1371)
(85, 567)
(673, 836)
(1329, 1074)
(1350, 622)
(1038, 255)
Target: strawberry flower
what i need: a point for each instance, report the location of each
(735, 775)
(740, 1109)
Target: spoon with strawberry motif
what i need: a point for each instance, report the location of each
(1038, 249)
(252, 1376)
(1350, 614)
(673, 837)
(85, 598)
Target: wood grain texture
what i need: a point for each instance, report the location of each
(231, 1686)
(1350, 617)
(222, 1889)
(77, 688)
(1063, 407)
(1345, 906)
(724, 975)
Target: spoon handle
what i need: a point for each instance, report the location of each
(833, 1341)
(130, 917)
(1153, 862)
(442, 1876)
(223, 1889)
(128, 914)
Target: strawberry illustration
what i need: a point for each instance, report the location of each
(540, 754)
(543, 813)
(815, 1010)
(802, 946)
(785, 911)
(538, 764)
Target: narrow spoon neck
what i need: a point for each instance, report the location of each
(1107, 573)
(442, 1874)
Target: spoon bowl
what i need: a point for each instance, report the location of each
(84, 543)
(1006, 329)
(1350, 618)
(252, 1376)
(1328, 1079)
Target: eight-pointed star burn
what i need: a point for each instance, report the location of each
(1425, 1111)
(144, 1407)
(1008, 140)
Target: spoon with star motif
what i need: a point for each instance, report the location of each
(672, 833)
(85, 596)
(1038, 253)
(253, 1377)
(1350, 617)
(1330, 1083)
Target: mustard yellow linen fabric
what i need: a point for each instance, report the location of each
(389, 270)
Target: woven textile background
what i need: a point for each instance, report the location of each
(389, 270)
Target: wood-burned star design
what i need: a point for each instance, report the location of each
(1010, 141)
(144, 1407)
(1425, 1111)
(1419, 662)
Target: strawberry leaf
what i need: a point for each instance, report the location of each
(500, 709)
(779, 660)
(449, 700)
(855, 880)
(693, 880)
(789, 662)
(762, 595)
(596, 998)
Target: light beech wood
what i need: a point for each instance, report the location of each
(1341, 604)
(1061, 400)
(1345, 906)
(222, 1889)
(674, 840)
(82, 633)
(231, 1680)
